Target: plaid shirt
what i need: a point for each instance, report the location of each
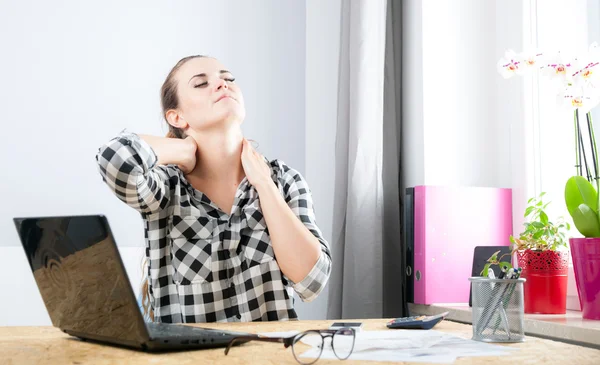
(206, 265)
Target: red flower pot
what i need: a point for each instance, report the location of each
(545, 290)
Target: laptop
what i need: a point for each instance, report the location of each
(86, 290)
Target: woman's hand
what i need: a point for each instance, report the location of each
(180, 152)
(188, 157)
(257, 171)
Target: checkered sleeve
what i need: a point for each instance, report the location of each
(298, 197)
(127, 165)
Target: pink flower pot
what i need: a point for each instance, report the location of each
(586, 264)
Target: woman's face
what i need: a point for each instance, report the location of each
(208, 95)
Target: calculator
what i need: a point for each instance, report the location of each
(417, 322)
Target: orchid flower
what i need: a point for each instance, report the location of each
(529, 61)
(589, 74)
(559, 67)
(509, 65)
(579, 95)
(589, 70)
(577, 78)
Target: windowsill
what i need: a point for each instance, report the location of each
(569, 327)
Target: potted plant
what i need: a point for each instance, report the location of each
(582, 202)
(577, 79)
(542, 254)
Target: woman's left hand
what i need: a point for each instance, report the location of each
(257, 171)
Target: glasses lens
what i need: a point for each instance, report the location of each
(307, 347)
(343, 343)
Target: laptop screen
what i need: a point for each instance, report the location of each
(80, 276)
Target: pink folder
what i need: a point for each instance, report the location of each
(449, 223)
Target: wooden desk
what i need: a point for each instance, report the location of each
(47, 345)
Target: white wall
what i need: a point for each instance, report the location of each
(75, 73)
(322, 60)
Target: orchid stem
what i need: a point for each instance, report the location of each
(582, 149)
(577, 164)
(594, 148)
(592, 144)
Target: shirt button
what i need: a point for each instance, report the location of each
(238, 316)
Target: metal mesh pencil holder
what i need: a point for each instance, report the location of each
(497, 309)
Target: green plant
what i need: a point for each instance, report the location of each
(494, 260)
(581, 197)
(582, 203)
(540, 233)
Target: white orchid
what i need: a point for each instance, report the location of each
(529, 61)
(579, 95)
(590, 74)
(576, 78)
(589, 67)
(509, 65)
(559, 67)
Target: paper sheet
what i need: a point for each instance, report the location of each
(384, 355)
(409, 345)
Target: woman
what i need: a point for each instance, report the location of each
(230, 236)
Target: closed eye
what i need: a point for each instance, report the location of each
(205, 83)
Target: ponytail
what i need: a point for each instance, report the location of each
(175, 133)
(170, 135)
(148, 310)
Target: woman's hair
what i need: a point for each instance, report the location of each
(148, 311)
(168, 100)
(168, 95)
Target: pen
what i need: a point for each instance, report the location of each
(512, 274)
(502, 272)
(489, 309)
(504, 275)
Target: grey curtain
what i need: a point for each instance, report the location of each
(394, 264)
(367, 275)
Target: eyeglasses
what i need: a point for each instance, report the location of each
(342, 342)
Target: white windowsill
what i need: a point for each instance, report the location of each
(569, 327)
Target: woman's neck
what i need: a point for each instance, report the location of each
(218, 156)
